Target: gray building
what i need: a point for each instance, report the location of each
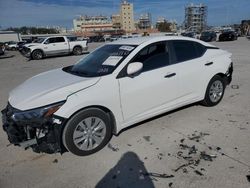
(145, 21)
(195, 17)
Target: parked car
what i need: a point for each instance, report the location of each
(53, 46)
(79, 107)
(189, 34)
(228, 36)
(2, 48)
(208, 36)
(11, 45)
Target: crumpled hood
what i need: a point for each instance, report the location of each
(47, 88)
(31, 44)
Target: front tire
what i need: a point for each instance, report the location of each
(87, 132)
(37, 55)
(215, 91)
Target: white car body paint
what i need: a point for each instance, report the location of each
(131, 100)
(65, 47)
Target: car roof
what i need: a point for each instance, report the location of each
(152, 39)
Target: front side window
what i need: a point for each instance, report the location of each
(153, 56)
(102, 61)
(56, 40)
(186, 50)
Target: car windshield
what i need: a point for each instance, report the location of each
(102, 61)
(39, 40)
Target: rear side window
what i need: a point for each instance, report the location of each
(200, 49)
(187, 50)
(153, 56)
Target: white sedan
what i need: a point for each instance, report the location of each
(78, 108)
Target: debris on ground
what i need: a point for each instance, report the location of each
(170, 184)
(147, 138)
(192, 156)
(113, 148)
(199, 173)
(198, 137)
(156, 175)
(235, 86)
(206, 157)
(192, 150)
(218, 148)
(182, 166)
(160, 155)
(184, 170)
(55, 161)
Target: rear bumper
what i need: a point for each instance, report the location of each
(85, 49)
(42, 137)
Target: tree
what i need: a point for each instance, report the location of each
(32, 30)
(164, 27)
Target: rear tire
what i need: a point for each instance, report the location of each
(37, 55)
(215, 91)
(87, 132)
(77, 50)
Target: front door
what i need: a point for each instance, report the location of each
(55, 45)
(156, 87)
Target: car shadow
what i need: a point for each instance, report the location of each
(128, 172)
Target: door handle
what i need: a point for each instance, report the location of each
(210, 63)
(170, 75)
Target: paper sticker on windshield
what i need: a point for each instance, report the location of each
(112, 60)
(128, 48)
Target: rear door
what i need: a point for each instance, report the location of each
(191, 66)
(56, 45)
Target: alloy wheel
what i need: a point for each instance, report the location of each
(216, 91)
(89, 133)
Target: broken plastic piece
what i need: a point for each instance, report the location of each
(235, 87)
(198, 172)
(207, 157)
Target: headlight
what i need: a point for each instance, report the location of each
(37, 113)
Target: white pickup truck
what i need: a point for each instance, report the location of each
(53, 46)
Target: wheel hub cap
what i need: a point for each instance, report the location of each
(89, 133)
(216, 91)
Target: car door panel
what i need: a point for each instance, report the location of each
(154, 88)
(56, 45)
(190, 63)
(148, 92)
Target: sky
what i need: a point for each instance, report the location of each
(18, 13)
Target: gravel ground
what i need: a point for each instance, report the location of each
(194, 146)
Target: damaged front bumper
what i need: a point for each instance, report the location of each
(26, 52)
(43, 136)
(229, 74)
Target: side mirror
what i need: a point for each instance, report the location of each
(134, 68)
